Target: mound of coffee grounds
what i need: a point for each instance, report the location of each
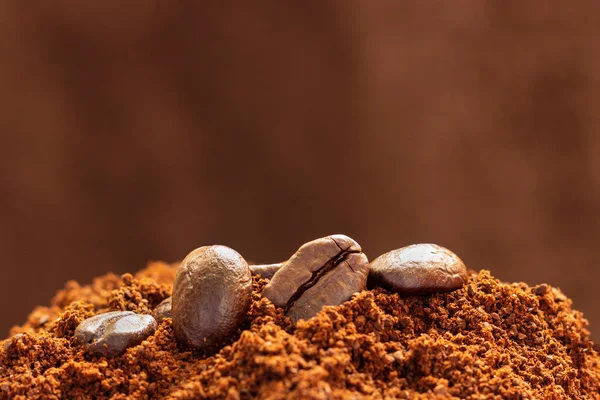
(488, 340)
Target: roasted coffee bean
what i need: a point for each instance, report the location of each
(541, 290)
(418, 269)
(111, 333)
(211, 296)
(266, 271)
(10, 344)
(163, 310)
(326, 271)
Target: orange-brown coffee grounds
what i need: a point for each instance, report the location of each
(487, 340)
(140, 296)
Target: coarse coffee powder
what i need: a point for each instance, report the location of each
(488, 340)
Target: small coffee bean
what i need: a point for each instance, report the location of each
(10, 344)
(266, 271)
(211, 296)
(541, 289)
(163, 310)
(111, 333)
(325, 271)
(418, 269)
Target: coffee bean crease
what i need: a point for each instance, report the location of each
(322, 272)
(316, 276)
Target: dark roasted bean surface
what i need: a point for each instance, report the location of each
(265, 270)
(211, 296)
(163, 310)
(111, 333)
(325, 271)
(418, 269)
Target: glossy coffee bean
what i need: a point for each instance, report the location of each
(163, 310)
(211, 296)
(111, 333)
(326, 271)
(266, 271)
(418, 269)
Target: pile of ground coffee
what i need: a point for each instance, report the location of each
(487, 340)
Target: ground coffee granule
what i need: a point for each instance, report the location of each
(488, 340)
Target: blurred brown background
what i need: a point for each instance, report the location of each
(140, 130)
